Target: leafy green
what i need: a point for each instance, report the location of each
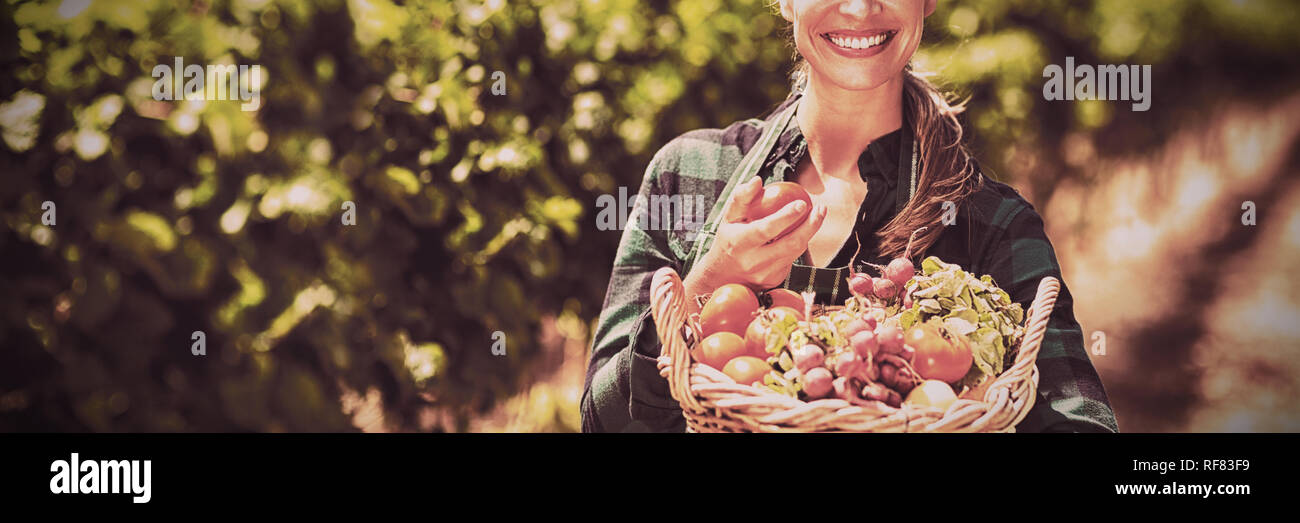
(969, 306)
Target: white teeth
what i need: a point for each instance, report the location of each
(857, 43)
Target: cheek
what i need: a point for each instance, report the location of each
(805, 13)
(804, 40)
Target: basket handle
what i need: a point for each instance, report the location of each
(1024, 372)
(668, 308)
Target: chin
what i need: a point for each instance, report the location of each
(859, 80)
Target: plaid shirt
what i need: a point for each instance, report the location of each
(996, 232)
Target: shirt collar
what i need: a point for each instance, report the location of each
(880, 158)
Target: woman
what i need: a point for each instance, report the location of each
(879, 151)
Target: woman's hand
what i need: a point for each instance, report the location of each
(750, 253)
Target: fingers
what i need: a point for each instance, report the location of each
(797, 239)
(742, 198)
(770, 228)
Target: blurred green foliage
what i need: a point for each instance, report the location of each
(474, 212)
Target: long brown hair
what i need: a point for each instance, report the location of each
(947, 171)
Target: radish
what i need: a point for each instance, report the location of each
(870, 320)
(883, 394)
(864, 343)
(860, 285)
(817, 383)
(890, 338)
(884, 288)
(848, 364)
(808, 357)
(901, 270)
(844, 389)
(888, 374)
(879, 314)
(854, 327)
(905, 385)
(869, 373)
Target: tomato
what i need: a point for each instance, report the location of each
(756, 337)
(937, 357)
(756, 333)
(787, 298)
(747, 369)
(719, 348)
(779, 313)
(775, 197)
(729, 309)
(932, 393)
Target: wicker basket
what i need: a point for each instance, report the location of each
(713, 402)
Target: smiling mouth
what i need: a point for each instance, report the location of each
(859, 41)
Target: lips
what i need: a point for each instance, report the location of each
(859, 43)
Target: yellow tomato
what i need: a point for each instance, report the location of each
(932, 393)
(747, 369)
(719, 348)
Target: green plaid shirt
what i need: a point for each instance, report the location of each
(996, 232)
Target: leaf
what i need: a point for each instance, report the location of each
(775, 341)
(953, 286)
(1002, 296)
(964, 314)
(972, 379)
(928, 292)
(959, 325)
(966, 298)
(987, 349)
(1017, 314)
(784, 361)
(932, 265)
(1007, 329)
(908, 318)
(930, 305)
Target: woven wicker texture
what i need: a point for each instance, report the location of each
(713, 402)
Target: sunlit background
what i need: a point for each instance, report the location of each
(475, 212)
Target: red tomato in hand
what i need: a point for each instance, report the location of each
(729, 309)
(775, 197)
(936, 357)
